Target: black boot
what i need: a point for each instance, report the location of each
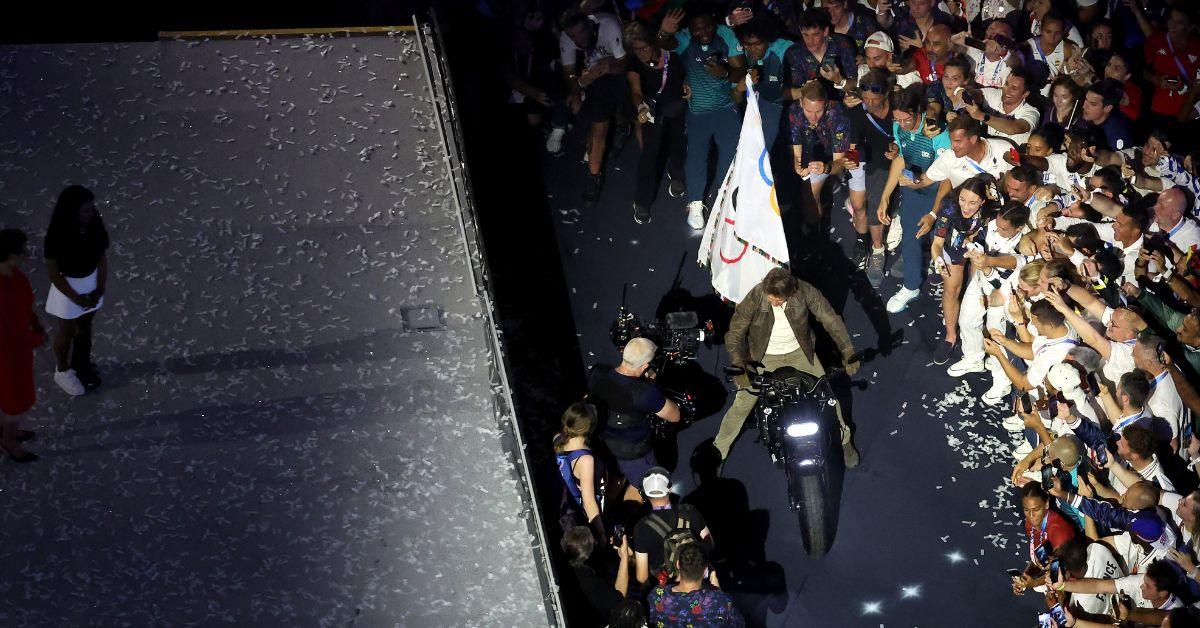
(591, 190)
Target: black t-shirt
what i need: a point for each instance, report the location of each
(872, 141)
(648, 541)
(613, 392)
(78, 254)
(599, 592)
(663, 99)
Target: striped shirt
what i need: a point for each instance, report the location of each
(918, 149)
(709, 93)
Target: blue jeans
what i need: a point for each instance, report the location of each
(913, 205)
(721, 126)
(771, 114)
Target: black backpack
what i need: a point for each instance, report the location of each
(674, 538)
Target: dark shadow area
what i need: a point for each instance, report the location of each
(758, 586)
(382, 344)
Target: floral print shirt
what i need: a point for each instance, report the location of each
(703, 608)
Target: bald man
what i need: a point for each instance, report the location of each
(1169, 218)
(931, 59)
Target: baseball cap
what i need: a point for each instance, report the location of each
(1149, 527)
(656, 482)
(880, 40)
(1064, 377)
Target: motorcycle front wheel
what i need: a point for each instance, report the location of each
(810, 496)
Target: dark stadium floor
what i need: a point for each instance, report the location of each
(927, 522)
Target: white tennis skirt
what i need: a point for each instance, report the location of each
(58, 305)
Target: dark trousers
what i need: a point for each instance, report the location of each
(667, 130)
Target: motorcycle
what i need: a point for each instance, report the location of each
(796, 416)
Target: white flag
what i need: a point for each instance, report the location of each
(744, 235)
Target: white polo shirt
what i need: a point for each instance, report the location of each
(1061, 176)
(1165, 403)
(959, 169)
(1024, 111)
(1046, 353)
(1132, 586)
(1185, 234)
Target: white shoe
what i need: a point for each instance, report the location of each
(69, 382)
(1022, 450)
(996, 394)
(964, 366)
(695, 217)
(1013, 424)
(554, 141)
(899, 301)
(894, 235)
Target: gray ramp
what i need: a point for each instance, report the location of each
(272, 445)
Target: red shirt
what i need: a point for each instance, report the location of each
(930, 73)
(1058, 531)
(1160, 60)
(1134, 108)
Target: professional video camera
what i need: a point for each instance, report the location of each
(678, 337)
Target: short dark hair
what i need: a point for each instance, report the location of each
(1084, 236)
(628, 613)
(1047, 314)
(758, 28)
(911, 99)
(1184, 617)
(1015, 212)
(1140, 440)
(692, 561)
(1137, 211)
(780, 282)
(1089, 135)
(1025, 173)
(570, 17)
(1055, 15)
(815, 18)
(1034, 489)
(965, 123)
(1110, 177)
(1026, 77)
(12, 242)
(578, 544)
(1164, 576)
(1109, 90)
(1073, 555)
(961, 62)
(878, 76)
(1136, 385)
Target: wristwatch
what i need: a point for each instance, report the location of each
(987, 117)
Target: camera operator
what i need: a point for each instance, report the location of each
(771, 326)
(627, 400)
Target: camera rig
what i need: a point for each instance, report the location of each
(678, 336)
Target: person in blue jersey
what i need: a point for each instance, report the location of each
(821, 56)
(714, 62)
(656, 82)
(765, 55)
(851, 19)
(917, 146)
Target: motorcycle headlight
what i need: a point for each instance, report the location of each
(806, 428)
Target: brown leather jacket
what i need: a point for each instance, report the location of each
(750, 330)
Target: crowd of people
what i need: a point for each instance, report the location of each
(75, 256)
(1032, 165)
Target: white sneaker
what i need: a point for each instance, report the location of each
(964, 366)
(899, 301)
(1013, 424)
(554, 141)
(69, 382)
(695, 217)
(1022, 450)
(996, 394)
(894, 234)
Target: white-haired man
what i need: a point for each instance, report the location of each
(625, 399)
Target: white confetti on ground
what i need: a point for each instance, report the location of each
(270, 446)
